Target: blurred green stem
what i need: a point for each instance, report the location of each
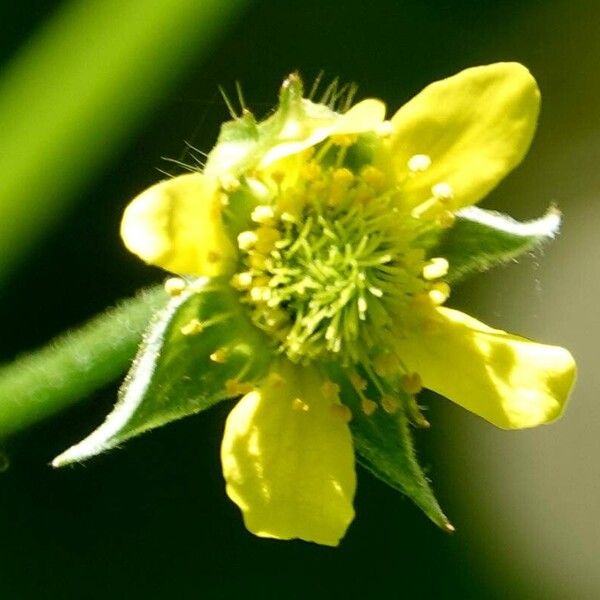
(78, 90)
(74, 365)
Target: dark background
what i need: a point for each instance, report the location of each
(152, 520)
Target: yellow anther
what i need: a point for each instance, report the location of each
(299, 405)
(340, 182)
(390, 404)
(241, 281)
(266, 238)
(276, 317)
(446, 219)
(311, 171)
(277, 177)
(419, 163)
(374, 177)
(257, 261)
(419, 301)
(343, 140)
(223, 200)
(411, 383)
(385, 364)
(342, 176)
(364, 194)
(260, 294)
(229, 183)
(317, 188)
(174, 286)
(375, 291)
(368, 406)
(236, 388)
(263, 214)
(219, 356)
(439, 293)
(435, 268)
(246, 240)
(257, 188)
(362, 305)
(213, 257)
(341, 412)
(193, 327)
(358, 382)
(261, 281)
(443, 191)
(330, 390)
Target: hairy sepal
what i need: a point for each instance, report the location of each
(177, 374)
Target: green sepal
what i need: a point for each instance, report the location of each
(481, 239)
(173, 374)
(243, 142)
(384, 445)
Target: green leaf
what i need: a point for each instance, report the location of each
(177, 374)
(40, 384)
(481, 239)
(383, 443)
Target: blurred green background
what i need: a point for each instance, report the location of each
(92, 94)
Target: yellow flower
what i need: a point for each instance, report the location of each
(325, 224)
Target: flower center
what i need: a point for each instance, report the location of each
(334, 265)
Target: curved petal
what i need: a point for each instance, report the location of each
(475, 126)
(312, 127)
(288, 459)
(367, 115)
(176, 224)
(508, 380)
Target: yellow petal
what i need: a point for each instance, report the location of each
(176, 224)
(305, 131)
(288, 459)
(475, 126)
(508, 380)
(367, 115)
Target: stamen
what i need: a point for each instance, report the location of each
(219, 356)
(341, 412)
(374, 177)
(385, 364)
(193, 327)
(443, 191)
(175, 286)
(358, 382)
(435, 268)
(242, 281)
(263, 214)
(439, 293)
(390, 404)
(265, 239)
(419, 163)
(229, 183)
(411, 383)
(246, 240)
(330, 390)
(236, 388)
(446, 219)
(368, 406)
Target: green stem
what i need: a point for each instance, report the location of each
(75, 364)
